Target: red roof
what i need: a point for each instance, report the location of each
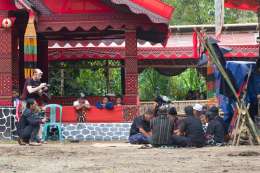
(7, 5)
(156, 6)
(252, 5)
(156, 10)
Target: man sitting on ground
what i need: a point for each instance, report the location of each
(29, 124)
(81, 106)
(215, 110)
(140, 132)
(215, 131)
(190, 132)
(162, 128)
(172, 114)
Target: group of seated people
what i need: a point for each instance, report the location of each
(81, 105)
(201, 127)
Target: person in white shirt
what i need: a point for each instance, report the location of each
(81, 106)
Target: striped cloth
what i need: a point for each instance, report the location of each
(30, 47)
(162, 130)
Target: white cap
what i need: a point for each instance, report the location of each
(197, 107)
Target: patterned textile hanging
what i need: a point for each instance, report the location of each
(30, 46)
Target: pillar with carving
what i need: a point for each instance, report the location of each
(5, 62)
(131, 75)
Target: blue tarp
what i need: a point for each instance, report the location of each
(239, 69)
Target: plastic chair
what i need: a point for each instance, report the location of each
(53, 122)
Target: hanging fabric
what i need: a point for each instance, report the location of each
(195, 44)
(30, 38)
(30, 46)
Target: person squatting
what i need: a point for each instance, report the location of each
(29, 124)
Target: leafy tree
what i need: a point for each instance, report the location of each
(176, 87)
(151, 82)
(193, 12)
(86, 76)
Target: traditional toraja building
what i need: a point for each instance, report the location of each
(105, 30)
(172, 59)
(32, 25)
(35, 32)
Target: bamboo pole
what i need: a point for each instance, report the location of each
(240, 104)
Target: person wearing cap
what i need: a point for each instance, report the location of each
(140, 131)
(190, 131)
(162, 127)
(33, 87)
(215, 132)
(197, 110)
(81, 106)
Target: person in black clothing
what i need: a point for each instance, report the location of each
(215, 131)
(215, 111)
(160, 101)
(162, 128)
(33, 88)
(29, 124)
(172, 114)
(191, 131)
(140, 132)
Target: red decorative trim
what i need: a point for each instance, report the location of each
(4, 102)
(157, 11)
(118, 53)
(84, 43)
(100, 21)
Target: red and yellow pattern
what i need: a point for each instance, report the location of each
(30, 47)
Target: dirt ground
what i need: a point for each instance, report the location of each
(123, 157)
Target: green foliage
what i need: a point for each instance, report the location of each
(175, 87)
(150, 81)
(85, 76)
(192, 12)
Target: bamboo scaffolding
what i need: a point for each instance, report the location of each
(244, 119)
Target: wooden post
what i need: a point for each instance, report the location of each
(6, 81)
(131, 71)
(131, 75)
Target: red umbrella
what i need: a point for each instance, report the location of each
(252, 5)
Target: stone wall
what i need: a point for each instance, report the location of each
(96, 131)
(7, 123)
(70, 131)
(93, 131)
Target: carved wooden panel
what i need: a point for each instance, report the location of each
(131, 43)
(130, 112)
(5, 84)
(131, 64)
(131, 83)
(6, 66)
